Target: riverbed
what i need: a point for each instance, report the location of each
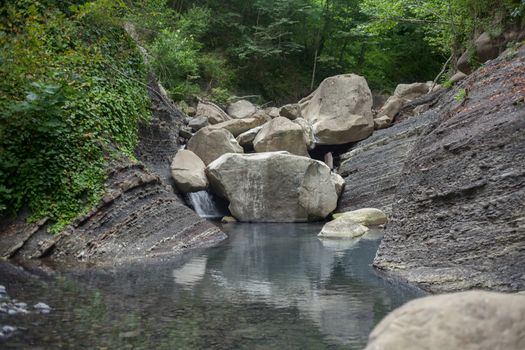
(269, 286)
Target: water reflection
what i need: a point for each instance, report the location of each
(271, 286)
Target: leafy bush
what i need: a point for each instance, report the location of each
(70, 94)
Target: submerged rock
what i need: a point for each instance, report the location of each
(467, 321)
(273, 187)
(365, 216)
(281, 134)
(187, 170)
(340, 110)
(343, 228)
(209, 144)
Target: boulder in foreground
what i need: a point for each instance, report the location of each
(273, 187)
(467, 321)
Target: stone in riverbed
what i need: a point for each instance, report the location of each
(290, 111)
(343, 228)
(365, 216)
(339, 183)
(273, 187)
(473, 320)
(281, 134)
(340, 110)
(187, 170)
(209, 144)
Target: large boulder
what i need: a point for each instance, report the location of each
(238, 126)
(209, 144)
(241, 109)
(273, 187)
(342, 228)
(365, 216)
(281, 134)
(469, 321)
(211, 112)
(340, 110)
(187, 170)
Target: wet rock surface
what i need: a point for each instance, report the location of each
(458, 218)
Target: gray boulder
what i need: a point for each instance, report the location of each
(281, 134)
(340, 110)
(246, 138)
(209, 144)
(241, 109)
(198, 123)
(273, 187)
(211, 112)
(187, 170)
(473, 320)
(412, 91)
(339, 183)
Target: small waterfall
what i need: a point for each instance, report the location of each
(204, 205)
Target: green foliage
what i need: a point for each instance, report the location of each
(66, 101)
(461, 95)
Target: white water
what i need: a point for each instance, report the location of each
(204, 205)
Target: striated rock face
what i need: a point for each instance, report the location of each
(209, 144)
(340, 110)
(273, 187)
(372, 169)
(468, 321)
(281, 134)
(459, 216)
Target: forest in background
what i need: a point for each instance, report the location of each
(72, 86)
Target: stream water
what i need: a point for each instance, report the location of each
(272, 286)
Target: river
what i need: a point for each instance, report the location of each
(270, 286)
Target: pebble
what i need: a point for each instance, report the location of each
(42, 308)
(7, 331)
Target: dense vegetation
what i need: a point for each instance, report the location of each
(72, 90)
